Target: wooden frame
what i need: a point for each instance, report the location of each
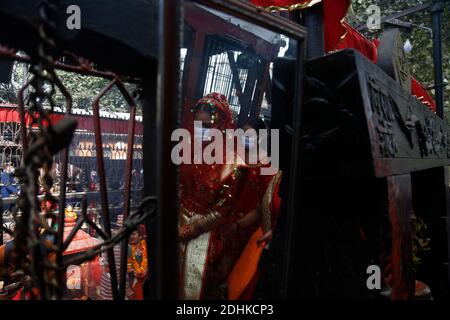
(168, 114)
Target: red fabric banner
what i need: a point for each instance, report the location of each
(334, 12)
(422, 94)
(354, 39)
(10, 114)
(340, 35)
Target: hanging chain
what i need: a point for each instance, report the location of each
(34, 254)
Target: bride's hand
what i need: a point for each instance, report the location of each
(266, 238)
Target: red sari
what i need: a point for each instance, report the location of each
(211, 200)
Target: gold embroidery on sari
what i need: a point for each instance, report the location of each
(267, 201)
(195, 253)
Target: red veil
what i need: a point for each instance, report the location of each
(204, 179)
(208, 195)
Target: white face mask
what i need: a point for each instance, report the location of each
(203, 134)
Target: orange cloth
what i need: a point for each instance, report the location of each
(2, 255)
(244, 276)
(245, 268)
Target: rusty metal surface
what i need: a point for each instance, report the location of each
(128, 177)
(118, 292)
(103, 187)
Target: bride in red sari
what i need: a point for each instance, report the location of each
(214, 223)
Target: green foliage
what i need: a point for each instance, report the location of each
(85, 88)
(9, 91)
(421, 57)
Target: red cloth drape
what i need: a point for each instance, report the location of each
(340, 35)
(354, 39)
(9, 113)
(333, 13)
(422, 94)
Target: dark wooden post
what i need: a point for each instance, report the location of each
(399, 197)
(168, 110)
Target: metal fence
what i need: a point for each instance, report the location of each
(82, 177)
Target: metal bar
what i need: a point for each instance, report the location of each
(250, 84)
(313, 21)
(127, 191)
(149, 163)
(294, 187)
(436, 11)
(235, 76)
(168, 113)
(268, 88)
(103, 188)
(94, 226)
(260, 86)
(84, 211)
(59, 239)
(23, 127)
(71, 235)
(213, 74)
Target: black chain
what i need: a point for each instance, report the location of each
(32, 249)
(34, 254)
